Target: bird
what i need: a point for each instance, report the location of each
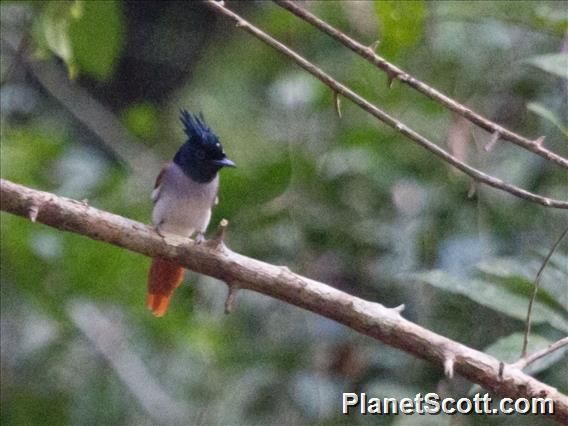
(184, 193)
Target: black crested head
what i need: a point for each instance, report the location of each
(195, 128)
(202, 155)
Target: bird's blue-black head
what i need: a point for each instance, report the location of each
(202, 155)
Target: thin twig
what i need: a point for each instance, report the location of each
(526, 361)
(535, 290)
(393, 71)
(384, 117)
(366, 317)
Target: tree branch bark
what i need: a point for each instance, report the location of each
(216, 260)
(393, 72)
(397, 125)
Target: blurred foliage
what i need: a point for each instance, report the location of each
(141, 119)
(401, 23)
(555, 64)
(345, 201)
(86, 35)
(549, 116)
(506, 285)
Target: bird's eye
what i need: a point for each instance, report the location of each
(200, 154)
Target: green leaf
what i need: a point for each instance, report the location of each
(508, 349)
(56, 20)
(554, 63)
(96, 35)
(519, 276)
(548, 115)
(401, 23)
(559, 260)
(492, 296)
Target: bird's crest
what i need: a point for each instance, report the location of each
(194, 127)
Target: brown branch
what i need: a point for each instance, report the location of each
(393, 72)
(532, 358)
(535, 291)
(383, 116)
(369, 318)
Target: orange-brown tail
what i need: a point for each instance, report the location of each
(164, 277)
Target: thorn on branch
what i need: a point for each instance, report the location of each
(240, 24)
(538, 142)
(33, 212)
(494, 138)
(373, 46)
(231, 298)
(501, 369)
(449, 366)
(399, 309)
(472, 189)
(220, 235)
(218, 239)
(391, 76)
(384, 117)
(337, 103)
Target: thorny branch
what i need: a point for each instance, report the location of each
(369, 318)
(393, 72)
(383, 116)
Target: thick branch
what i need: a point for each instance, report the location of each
(369, 318)
(393, 72)
(383, 116)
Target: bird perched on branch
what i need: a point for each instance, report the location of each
(184, 193)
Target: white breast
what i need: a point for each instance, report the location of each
(183, 206)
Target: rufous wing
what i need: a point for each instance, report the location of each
(158, 183)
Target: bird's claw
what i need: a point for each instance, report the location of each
(199, 238)
(158, 231)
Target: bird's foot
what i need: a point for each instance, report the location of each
(159, 231)
(168, 237)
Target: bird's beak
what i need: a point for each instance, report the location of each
(225, 162)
